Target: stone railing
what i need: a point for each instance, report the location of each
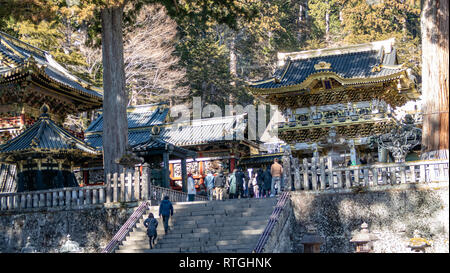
(127, 186)
(320, 175)
(54, 198)
(127, 227)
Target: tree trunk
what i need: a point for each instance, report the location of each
(233, 67)
(115, 127)
(434, 26)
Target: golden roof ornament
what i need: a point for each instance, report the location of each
(322, 65)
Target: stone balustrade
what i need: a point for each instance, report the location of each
(126, 186)
(319, 174)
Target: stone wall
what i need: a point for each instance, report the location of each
(91, 227)
(393, 213)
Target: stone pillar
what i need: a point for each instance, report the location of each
(146, 181)
(166, 170)
(286, 161)
(382, 155)
(184, 174)
(296, 170)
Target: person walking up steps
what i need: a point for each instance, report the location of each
(255, 185)
(209, 182)
(233, 185)
(151, 224)
(191, 188)
(276, 170)
(267, 177)
(166, 210)
(219, 184)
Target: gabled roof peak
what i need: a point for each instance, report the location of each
(385, 45)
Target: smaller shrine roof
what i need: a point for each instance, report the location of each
(138, 116)
(204, 131)
(46, 136)
(195, 132)
(259, 159)
(157, 144)
(20, 58)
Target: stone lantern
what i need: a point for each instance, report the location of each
(363, 240)
(418, 244)
(312, 240)
(70, 246)
(28, 248)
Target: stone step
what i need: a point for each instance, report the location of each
(147, 250)
(205, 226)
(214, 223)
(203, 236)
(197, 243)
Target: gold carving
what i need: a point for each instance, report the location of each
(322, 65)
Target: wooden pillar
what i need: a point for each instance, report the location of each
(166, 170)
(184, 174)
(232, 164)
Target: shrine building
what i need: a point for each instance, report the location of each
(334, 99)
(29, 78)
(198, 145)
(45, 155)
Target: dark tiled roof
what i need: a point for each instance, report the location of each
(17, 55)
(134, 137)
(155, 116)
(200, 132)
(259, 159)
(155, 143)
(205, 131)
(355, 65)
(45, 135)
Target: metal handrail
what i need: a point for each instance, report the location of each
(124, 230)
(281, 204)
(174, 196)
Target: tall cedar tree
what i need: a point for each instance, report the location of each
(435, 45)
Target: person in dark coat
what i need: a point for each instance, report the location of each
(151, 224)
(267, 182)
(166, 210)
(260, 181)
(240, 180)
(219, 184)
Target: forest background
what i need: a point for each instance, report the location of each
(172, 60)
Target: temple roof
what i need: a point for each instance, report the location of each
(47, 137)
(138, 117)
(157, 144)
(196, 132)
(18, 59)
(372, 62)
(259, 159)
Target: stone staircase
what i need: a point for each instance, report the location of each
(205, 227)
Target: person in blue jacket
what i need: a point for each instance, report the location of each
(209, 182)
(166, 210)
(151, 224)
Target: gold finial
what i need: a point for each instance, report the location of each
(44, 108)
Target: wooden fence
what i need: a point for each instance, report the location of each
(128, 186)
(320, 175)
